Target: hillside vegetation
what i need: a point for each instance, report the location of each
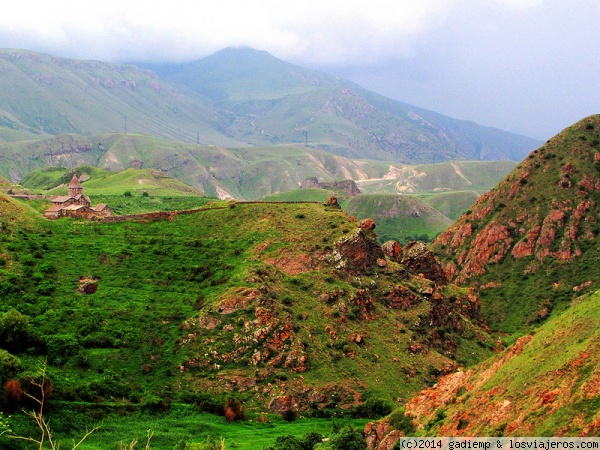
(281, 307)
(42, 95)
(401, 218)
(241, 173)
(531, 243)
(235, 98)
(274, 102)
(96, 181)
(547, 384)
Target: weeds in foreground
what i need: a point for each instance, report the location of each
(37, 415)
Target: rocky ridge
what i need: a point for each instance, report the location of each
(542, 218)
(266, 337)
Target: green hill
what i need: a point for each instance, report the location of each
(532, 242)
(102, 182)
(272, 102)
(278, 306)
(243, 173)
(301, 195)
(545, 385)
(400, 218)
(233, 98)
(42, 95)
(450, 204)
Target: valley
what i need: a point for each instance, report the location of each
(298, 259)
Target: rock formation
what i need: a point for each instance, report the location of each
(348, 187)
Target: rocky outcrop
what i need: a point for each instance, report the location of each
(418, 259)
(376, 432)
(348, 187)
(546, 209)
(392, 250)
(360, 250)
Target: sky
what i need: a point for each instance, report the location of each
(526, 66)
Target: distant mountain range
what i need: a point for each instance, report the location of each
(238, 97)
(243, 173)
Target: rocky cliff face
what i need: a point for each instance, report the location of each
(546, 208)
(543, 215)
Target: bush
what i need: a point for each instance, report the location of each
(210, 403)
(348, 439)
(12, 393)
(402, 421)
(289, 415)
(14, 330)
(233, 409)
(290, 442)
(9, 365)
(154, 404)
(127, 194)
(373, 408)
(61, 347)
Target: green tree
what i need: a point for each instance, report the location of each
(14, 330)
(348, 439)
(9, 365)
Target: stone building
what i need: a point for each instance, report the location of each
(75, 204)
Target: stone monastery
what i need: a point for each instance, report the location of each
(76, 204)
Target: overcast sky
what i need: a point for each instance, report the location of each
(527, 66)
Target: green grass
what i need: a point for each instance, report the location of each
(549, 383)
(401, 218)
(557, 179)
(183, 423)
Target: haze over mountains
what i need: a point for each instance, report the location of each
(235, 98)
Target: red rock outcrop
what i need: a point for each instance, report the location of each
(392, 250)
(361, 250)
(418, 259)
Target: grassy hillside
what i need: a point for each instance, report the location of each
(401, 218)
(301, 195)
(101, 182)
(259, 302)
(242, 173)
(42, 95)
(532, 242)
(477, 176)
(450, 204)
(545, 385)
(273, 102)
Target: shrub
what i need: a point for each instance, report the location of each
(12, 393)
(288, 442)
(373, 408)
(61, 347)
(154, 404)
(127, 194)
(14, 330)
(402, 421)
(289, 415)
(348, 439)
(233, 409)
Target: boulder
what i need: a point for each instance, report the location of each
(418, 259)
(361, 250)
(392, 250)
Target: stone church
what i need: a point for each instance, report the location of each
(75, 204)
